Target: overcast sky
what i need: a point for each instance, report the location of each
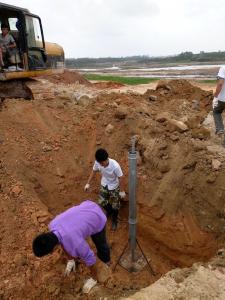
(102, 28)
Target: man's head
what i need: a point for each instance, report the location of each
(44, 244)
(4, 28)
(101, 156)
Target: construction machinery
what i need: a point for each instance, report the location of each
(32, 57)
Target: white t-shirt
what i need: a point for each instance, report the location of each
(221, 75)
(110, 174)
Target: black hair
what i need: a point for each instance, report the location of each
(18, 24)
(4, 26)
(44, 243)
(101, 155)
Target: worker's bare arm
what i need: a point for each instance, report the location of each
(92, 175)
(219, 86)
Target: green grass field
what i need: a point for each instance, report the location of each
(213, 81)
(123, 80)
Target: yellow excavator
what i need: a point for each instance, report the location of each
(32, 56)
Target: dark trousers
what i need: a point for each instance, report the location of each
(217, 115)
(103, 251)
(111, 212)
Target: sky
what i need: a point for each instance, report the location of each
(115, 28)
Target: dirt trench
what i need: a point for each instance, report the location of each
(47, 152)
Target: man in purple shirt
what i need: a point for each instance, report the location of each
(70, 229)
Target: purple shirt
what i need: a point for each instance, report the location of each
(75, 225)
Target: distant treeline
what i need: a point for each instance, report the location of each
(145, 60)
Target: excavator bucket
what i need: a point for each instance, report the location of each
(15, 89)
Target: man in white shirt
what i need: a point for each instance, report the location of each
(109, 196)
(219, 101)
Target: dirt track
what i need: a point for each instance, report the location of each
(47, 147)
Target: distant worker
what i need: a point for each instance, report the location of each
(110, 195)
(219, 102)
(19, 27)
(70, 229)
(7, 44)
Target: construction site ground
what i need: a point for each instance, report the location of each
(47, 153)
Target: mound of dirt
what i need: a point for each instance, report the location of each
(68, 77)
(107, 85)
(199, 282)
(47, 152)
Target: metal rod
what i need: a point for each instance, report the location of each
(132, 244)
(132, 157)
(151, 269)
(118, 260)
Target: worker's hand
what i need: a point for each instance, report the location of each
(4, 48)
(214, 102)
(71, 266)
(103, 272)
(87, 187)
(88, 285)
(122, 194)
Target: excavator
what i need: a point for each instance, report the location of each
(32, 57)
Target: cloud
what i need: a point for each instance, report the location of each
(94, 28)
(134, 8)
(200, 9)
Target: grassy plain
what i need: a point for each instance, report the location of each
(120, 79)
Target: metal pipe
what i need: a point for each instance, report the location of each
(132, 157)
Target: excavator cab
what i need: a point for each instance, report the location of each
(32, 56)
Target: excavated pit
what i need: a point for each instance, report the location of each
(47, 154)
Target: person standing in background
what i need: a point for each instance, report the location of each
(218, 103)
